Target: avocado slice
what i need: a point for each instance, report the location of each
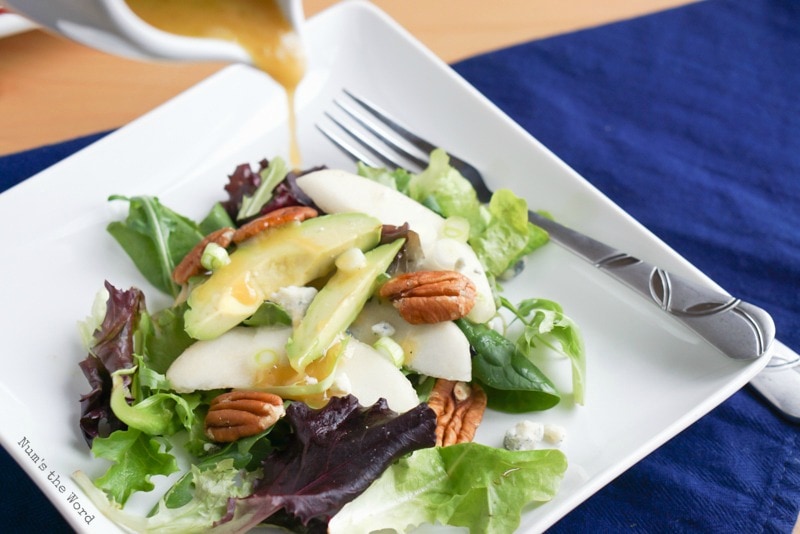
(337, 305)
(289, 255)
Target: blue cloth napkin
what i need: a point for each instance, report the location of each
(689, 119)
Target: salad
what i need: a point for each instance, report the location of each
(333, 342)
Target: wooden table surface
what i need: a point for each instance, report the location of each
(52, 90)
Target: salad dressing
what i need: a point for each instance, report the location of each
(280, 377)
(258, 26)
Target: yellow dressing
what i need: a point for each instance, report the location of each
(258, 26)
(311, 386)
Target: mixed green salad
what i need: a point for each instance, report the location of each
(294, 311)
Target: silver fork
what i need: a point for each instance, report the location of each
(738, 329)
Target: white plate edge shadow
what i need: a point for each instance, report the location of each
(545, 515)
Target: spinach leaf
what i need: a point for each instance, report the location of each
(156, 239)
(512, 382)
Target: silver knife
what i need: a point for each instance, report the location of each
(779, 381)
(738, 329)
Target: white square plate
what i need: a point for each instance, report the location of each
(647, 377)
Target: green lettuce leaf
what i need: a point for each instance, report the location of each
(470, 485)
(508, 235)
(443, 189)
(158, 413)
(211, 489)
(397, 179)
(136, 458)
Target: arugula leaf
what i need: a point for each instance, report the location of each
(136, 457)
(548, 326)
(156, 239)
(335, 453)
(470, 485)
(512, 382)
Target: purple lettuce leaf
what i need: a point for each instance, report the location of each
(335, 453)
(112, 351)
(288, 193)
(245, 180)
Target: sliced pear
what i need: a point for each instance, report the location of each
(368, 375)
(253, 358)
(440, 350)
(337, 191)
(233, 360)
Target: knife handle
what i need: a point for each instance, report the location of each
(739, 329)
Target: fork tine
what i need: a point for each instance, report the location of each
(425, 146)
(367, 144)
(384, 141)
(467, 170)
(348, 149)
(384, 137)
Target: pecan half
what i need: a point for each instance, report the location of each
(272, 219)
(430, 296)
(239, 414)
(459, 408)
(190, 264)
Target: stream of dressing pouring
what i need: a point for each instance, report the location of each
(267, 34)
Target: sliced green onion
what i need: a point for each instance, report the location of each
(456, 227)
(391, 349)
(214, 257)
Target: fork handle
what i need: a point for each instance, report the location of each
(739, 329)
